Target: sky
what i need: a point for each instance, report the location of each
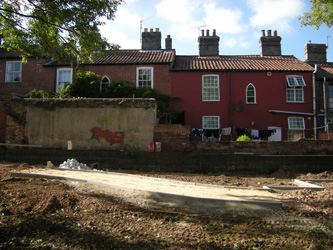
(238, 23)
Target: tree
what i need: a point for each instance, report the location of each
(62, 29)
(320, 13)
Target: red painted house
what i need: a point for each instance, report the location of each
(267, 96)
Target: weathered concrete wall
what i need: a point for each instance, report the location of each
(89, 123)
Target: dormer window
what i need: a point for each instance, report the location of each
(295, 86)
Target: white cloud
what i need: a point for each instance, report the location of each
(275, 14)
(130, 1)
(120, 38)
(124, 29)
(235, 42)
(124, 17)
(177, 10)
(223, 19)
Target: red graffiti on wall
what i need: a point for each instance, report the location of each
(112, 137)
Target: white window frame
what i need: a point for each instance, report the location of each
(296, 127)
(295, 90)
(254, 94)
(13, 73)
(207, 86)
(209, 117)
(206, 125)
(151, 69)
(102, 90)
(60, 84)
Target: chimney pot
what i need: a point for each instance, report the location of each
(151, 30)
(207, 32)
(202, 33)
(214, 32)
(275, 32)
(263, 33)
(157, 29)
(146, 29)
(269, 32)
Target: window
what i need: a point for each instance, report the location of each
(296, 128)
(105, 84)
(295, 86)
(250, 94)
(211, 127)
(13, 71)
(144, 77)
(64, 76)
(330, 91)
(210, 88)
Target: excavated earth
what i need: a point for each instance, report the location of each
(43, 213)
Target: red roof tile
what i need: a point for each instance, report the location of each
(325, 70)
(135, 57)
(240, 63)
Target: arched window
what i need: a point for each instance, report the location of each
(250, 94)
(105, 84)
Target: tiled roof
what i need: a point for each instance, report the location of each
(135, 57)
(9, 54)
(240, 63)
(325, 70)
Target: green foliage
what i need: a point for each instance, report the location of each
(37, 94)
(39, 28)
(243, 138)
(64, 92)
(320, 13)
(122, 89)
(86, 84)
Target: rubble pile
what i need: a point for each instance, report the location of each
(74, 164)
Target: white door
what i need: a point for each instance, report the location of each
(277, 136)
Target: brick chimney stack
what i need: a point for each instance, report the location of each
(315, 53)
(208, 45)
(168, 43)
(151, 40)
(270, 45)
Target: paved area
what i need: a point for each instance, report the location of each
(166, 192)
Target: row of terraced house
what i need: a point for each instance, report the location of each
(268, 96)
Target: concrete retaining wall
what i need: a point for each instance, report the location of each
(197, 162)
(126, 124)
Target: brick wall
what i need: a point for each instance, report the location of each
(34, 76)
(174, 137)
(128, 73)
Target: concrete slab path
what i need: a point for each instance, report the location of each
(213, 198)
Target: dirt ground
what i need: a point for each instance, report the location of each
(53, 214)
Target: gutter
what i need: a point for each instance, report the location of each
(314, 102)
(325, 105)
(291, 112)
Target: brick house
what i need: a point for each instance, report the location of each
(19, 78)
(145, 67)
(316, 56)
(264, 96)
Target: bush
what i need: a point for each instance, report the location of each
(37, 94)
(243, 138)
(86, 84)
